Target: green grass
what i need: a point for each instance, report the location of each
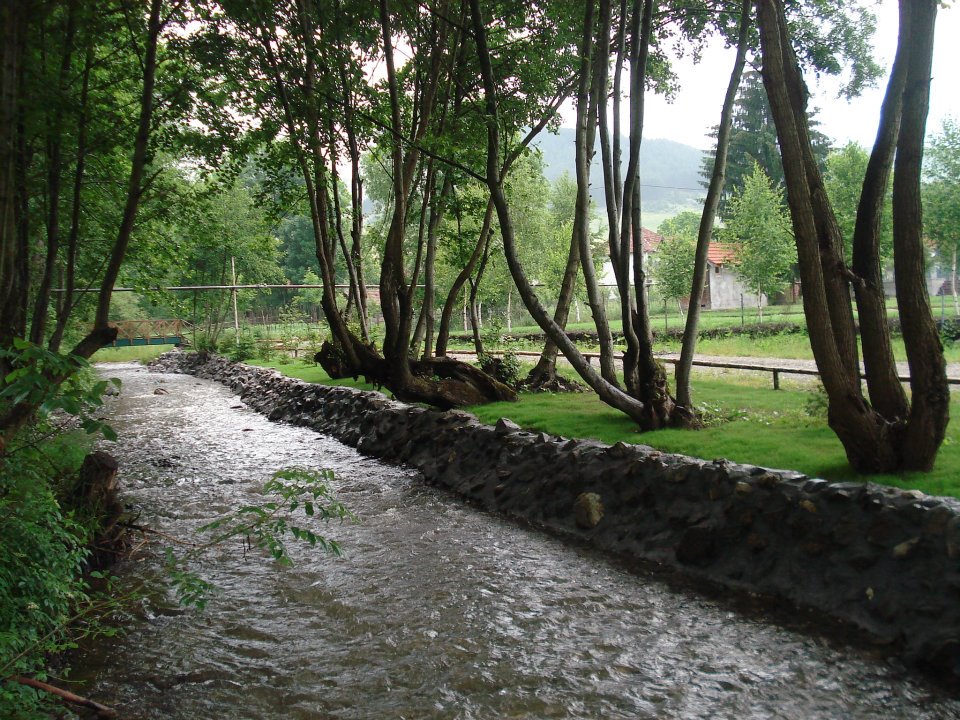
(309, 372)
(142, 353)
(748, 422)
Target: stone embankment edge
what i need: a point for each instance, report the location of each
(886, 561)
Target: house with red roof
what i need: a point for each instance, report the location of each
(723, 288)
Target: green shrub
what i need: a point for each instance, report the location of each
(507, 368)
(206, 342)
(41, 585)
(244, 349)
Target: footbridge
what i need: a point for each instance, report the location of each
(149, 332)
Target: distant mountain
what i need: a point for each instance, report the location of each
(669, 171)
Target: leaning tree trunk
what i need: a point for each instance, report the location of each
(450, 305)
(609, 393)
(475, 320)
(711, 203)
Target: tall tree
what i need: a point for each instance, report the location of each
(759, 228)
(941, 198)
(753, 139)
(296, 51)
(123, 44)
(887, 433)
(711, 206)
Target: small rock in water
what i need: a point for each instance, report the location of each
(161, 391)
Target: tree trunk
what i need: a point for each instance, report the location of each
(883, 384)
(138, 166)
(509, 309)
(443, 334)
(607, 392)
(67, 299)
(930, 396)
(873, 443)
(711, 204)
(544, 373)
(54, 177)
(430, 283)
(587, 107)
(645, 377)
(953, 280)
(476, 322)
(396, 370)
(848, 414)
(13, 16)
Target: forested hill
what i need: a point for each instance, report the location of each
(669, 171)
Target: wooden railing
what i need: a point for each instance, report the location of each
(776, 372)
(148, 332)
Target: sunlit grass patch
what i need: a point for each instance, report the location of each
(139, 353)
(309, 372)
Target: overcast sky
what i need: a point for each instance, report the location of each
(697, 106)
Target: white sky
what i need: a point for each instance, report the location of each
(696, 107)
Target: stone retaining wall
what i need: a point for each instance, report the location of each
(885, 560)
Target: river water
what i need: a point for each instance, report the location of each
(438, 610)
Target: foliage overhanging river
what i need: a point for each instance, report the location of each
(438, 610)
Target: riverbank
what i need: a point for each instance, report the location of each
(881, 559)
(745, 420)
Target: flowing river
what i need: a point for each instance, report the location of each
(438, 610)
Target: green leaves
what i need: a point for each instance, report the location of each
(265, 526)
(54, 383)
(672, 266)
(761, 229)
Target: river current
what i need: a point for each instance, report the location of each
(438, 610)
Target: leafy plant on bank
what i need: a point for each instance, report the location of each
(245, 348)
(43, 594)
(267, 527)
(507, 368)
(31, 381)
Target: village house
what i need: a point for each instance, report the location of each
(723, 288)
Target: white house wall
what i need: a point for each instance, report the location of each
(726, 289)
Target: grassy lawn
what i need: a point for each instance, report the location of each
(142, 353)
(310, 373)
(748, 422)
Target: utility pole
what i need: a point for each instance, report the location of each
(233, 292)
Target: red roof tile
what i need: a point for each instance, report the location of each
(651, 240)
(721, 253)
